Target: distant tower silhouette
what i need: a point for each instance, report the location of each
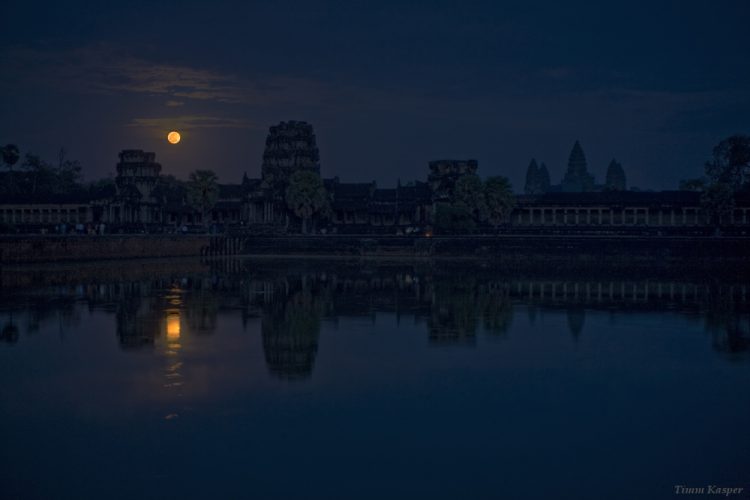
(544, 182)
(532, 178)
(615, 177)
(537, 178)
(577, 179)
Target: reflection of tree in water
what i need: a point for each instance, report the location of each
(458, 305)
(290, 331)
(453, 318)
(576, 319)
(497, 310)
(9, 332)
(201, 306)
(138, 322)
(728, 323)
(39, 310)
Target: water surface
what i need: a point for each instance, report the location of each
(314, 379)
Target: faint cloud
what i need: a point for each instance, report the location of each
(107, 69)
(190, 122)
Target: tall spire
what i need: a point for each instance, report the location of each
(532, 178)
(615, 177)
(577, 178)
(577, 160)
(544, 182)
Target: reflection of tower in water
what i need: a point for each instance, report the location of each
(290, 332)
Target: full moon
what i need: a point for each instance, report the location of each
(173, 137)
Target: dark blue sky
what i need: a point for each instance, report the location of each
(387, 86)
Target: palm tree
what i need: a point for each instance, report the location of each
(306, 196)
(203, 190)
(10, 156)
(469, 192)
(498, 195)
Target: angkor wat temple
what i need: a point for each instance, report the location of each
(144, 200)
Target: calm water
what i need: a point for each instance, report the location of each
(286, 380)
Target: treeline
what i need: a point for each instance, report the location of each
(726, 174)
(32, 178)
(474, 202)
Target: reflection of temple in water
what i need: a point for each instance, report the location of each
(576, 317)
(290, 330)
(138, 317)
(456, 307)
(453, 315)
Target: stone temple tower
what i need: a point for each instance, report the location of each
(290, 146)
(577, 178)
(137, 177)
(137, 169)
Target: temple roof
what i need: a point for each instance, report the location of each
(231, 191)
(352, 190)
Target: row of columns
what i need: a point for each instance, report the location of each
(621, 290)
(223, 245)
(627, 216)
(45, 215)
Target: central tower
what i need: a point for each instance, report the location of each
(577, 178)
(290, 146)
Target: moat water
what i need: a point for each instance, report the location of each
(315, 379)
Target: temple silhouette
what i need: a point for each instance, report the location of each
(143, 199)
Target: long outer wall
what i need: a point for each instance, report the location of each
(32, 248)
(22, 249)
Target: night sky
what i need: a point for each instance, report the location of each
(388, 86)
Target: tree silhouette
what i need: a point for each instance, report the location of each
(203, 190)
(717, 200)
(41, 175)
(306, 196)
(727, 173)
(469, 193)
(730, 164)
(68, 173)
(499, 199)
(454, 218)
(10, 156)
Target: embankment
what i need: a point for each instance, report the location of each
(511, 248)
(38, 248)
